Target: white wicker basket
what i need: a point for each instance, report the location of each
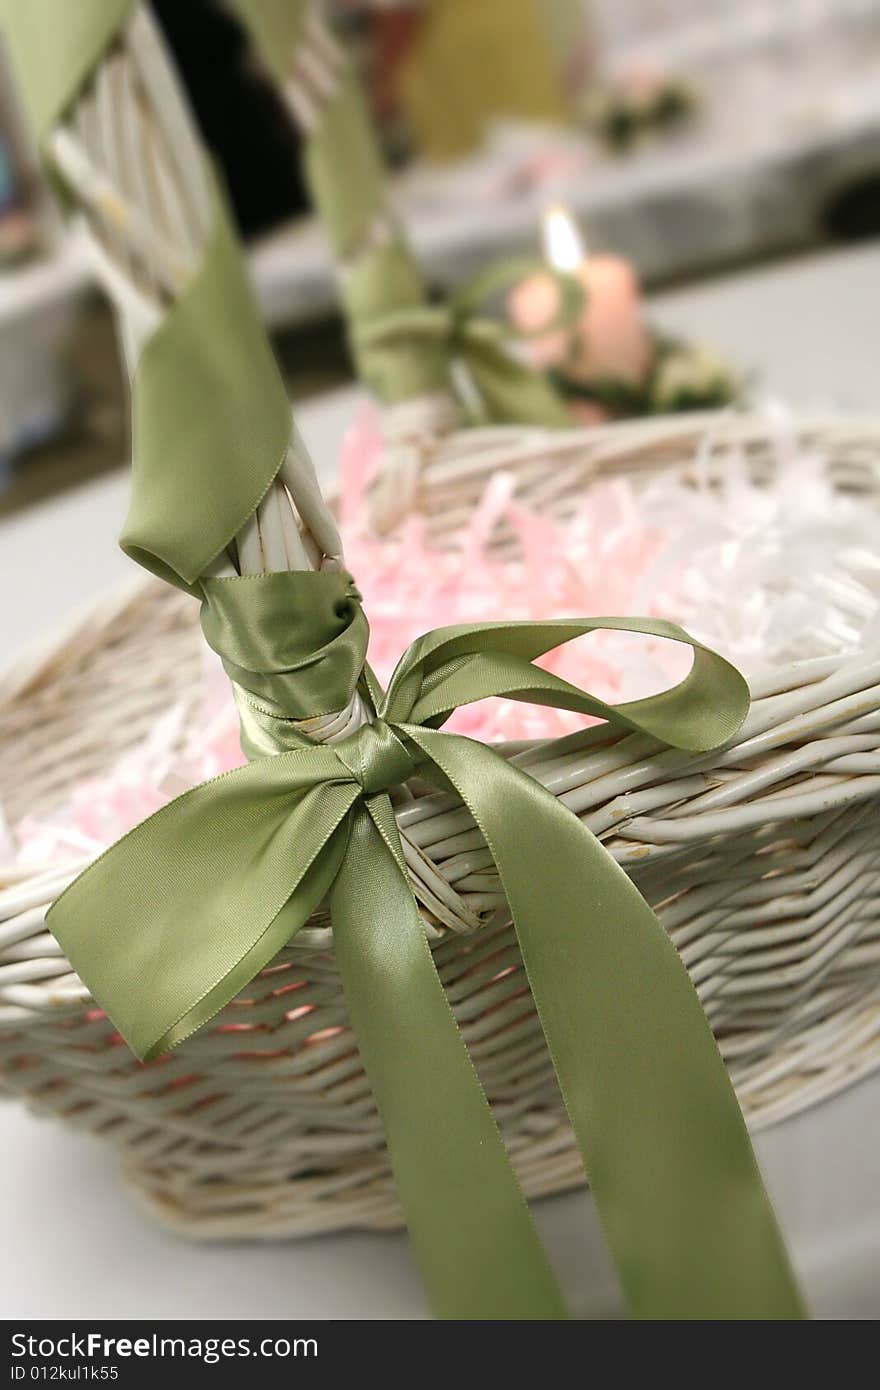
(763, 863)
(760, 860)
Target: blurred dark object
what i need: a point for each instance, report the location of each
(393, 31)
(241, 117)
(626, 113)
(378, 41)
(68, 396)
(19, 234)
(19, 237)
(854, 214)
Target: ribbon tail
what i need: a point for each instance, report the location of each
(512, 392)
(477, 1247)
(663, 1141)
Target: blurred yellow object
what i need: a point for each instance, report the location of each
(474, 61)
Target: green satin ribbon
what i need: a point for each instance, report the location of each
(403, 346)
(510, 390)
(210, 414)
(208, 401)
(55, 44)
(345, 175)
(173, 921)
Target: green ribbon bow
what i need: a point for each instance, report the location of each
(174, 920)
(403, 346)
(510, 389)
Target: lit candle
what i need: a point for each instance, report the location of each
(610, 339)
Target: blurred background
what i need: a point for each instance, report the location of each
(697, 140)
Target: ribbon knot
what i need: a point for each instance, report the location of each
(377, 758)
(509, 388)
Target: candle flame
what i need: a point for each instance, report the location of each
(563, 244)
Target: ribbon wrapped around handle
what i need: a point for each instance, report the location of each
(170, 923)
(402, 344)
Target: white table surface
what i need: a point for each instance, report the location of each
(76, 1245)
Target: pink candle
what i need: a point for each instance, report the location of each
(610, 339)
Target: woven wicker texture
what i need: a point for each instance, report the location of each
(762, 861)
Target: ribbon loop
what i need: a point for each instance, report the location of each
(464, 321)
(377, 758)
(509, 389)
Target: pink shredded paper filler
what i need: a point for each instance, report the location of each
(674, 551)
(588, 564)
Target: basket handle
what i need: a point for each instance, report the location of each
(137, 185)
(410, 377)
(407, 351)
(346, 176)
(125, 150)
